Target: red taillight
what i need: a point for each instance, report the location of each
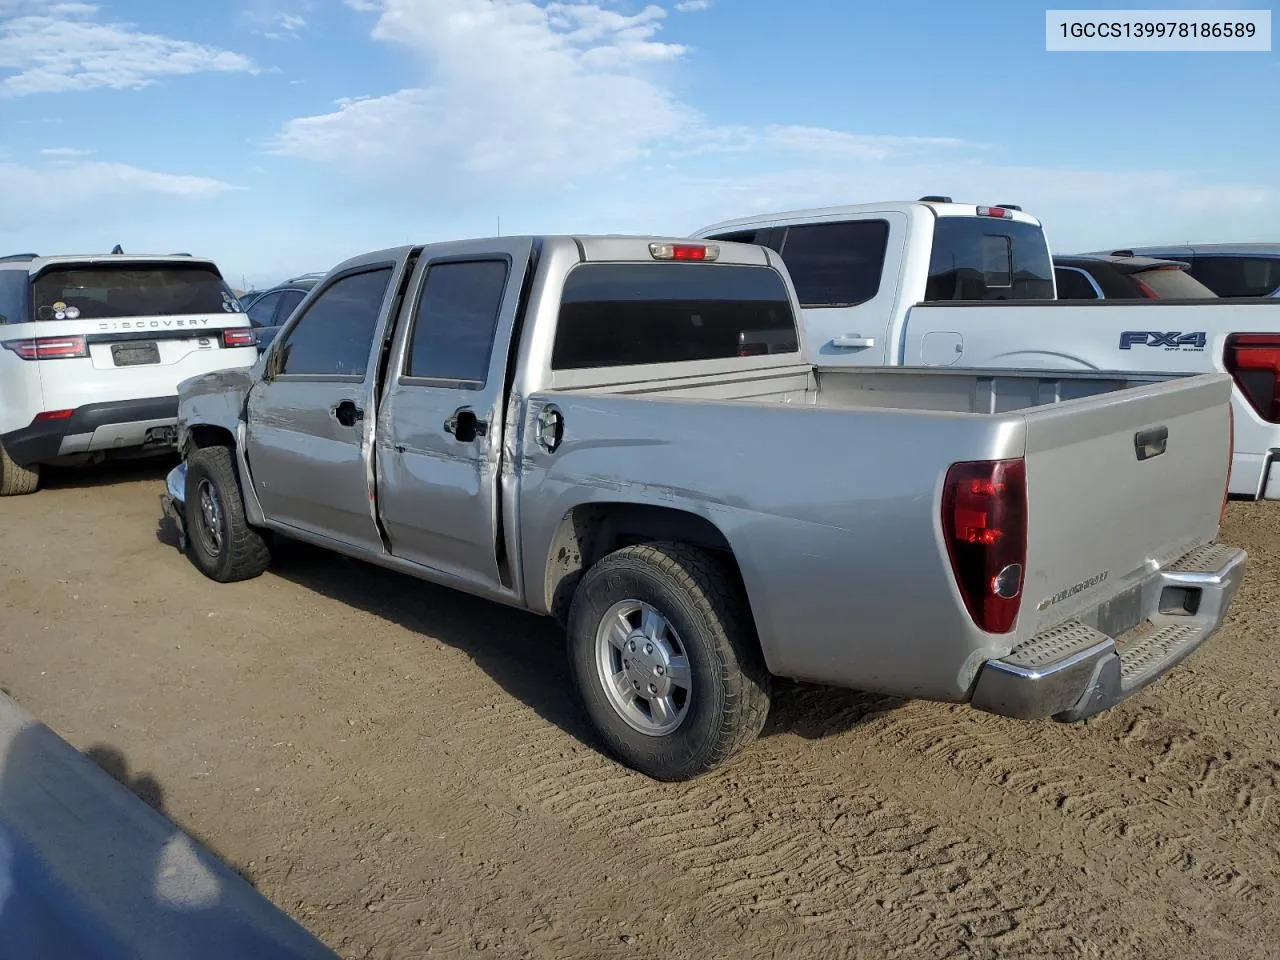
(1003, 213)
(49, 348)
(54, 415)
(239, 337)
(984, 521)
(1253, 360)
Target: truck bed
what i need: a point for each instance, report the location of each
(803, 467)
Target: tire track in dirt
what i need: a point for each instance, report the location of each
(773, 845)
(765, 839)
(859, 827)
(1147, 787)
(786, 846)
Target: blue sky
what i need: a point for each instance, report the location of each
(281, 136)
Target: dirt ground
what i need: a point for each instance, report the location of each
(404, 770)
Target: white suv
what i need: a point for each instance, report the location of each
(92, 349)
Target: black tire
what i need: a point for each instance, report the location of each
(16, 480)
(729, 691)
(239, 552)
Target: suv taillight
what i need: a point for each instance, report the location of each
(239, 337)
(49, 348)
(984, 521)
(1253, 360)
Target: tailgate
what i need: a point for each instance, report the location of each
(136, 356)
(1117, 485)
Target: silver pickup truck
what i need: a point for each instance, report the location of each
(627, 434)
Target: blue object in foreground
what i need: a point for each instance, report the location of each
(88, 870)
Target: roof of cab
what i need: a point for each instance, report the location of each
(591, 247)
(938, 208)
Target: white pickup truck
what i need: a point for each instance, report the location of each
(936, 283)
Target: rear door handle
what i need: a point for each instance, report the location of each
(346, 413)
(464, 425)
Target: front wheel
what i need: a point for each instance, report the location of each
(220, 541)
(665, 658)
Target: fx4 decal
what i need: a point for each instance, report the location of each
(1169, 341)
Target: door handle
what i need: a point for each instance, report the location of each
(346, 413)
(464, 425)
(853, 340)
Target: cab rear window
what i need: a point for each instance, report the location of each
(109, 291)
(983, 258)
(619, 314)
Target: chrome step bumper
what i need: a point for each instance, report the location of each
(1074, 671)
(171, 501)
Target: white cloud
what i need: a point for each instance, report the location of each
(692, 6)
(65, 152)
(525, 93)
(518, 90)
(791, 142)
(277, 19)
(50, 47)
(32, 192)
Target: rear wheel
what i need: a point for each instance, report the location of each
(221, 543)
(16, 480)
(665, 659)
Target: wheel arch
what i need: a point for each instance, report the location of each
(590, 531)
(201, 435)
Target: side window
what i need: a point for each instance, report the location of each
(289, 300)
(836, 264)
(1073, 285)
(335, 335)
(1237, 276)
(263, 309)
(455, 322)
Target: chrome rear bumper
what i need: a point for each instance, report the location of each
(171, 501)
(1074, 671)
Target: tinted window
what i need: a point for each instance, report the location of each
(1169, 283)
(289, 300)
(1073, 285)
(263, 310)
(836, 264)
(1238, 276)
(618, 314)
(107, 291)
(981, 258)
(13, 296)
(335, 334)
(457, 316)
